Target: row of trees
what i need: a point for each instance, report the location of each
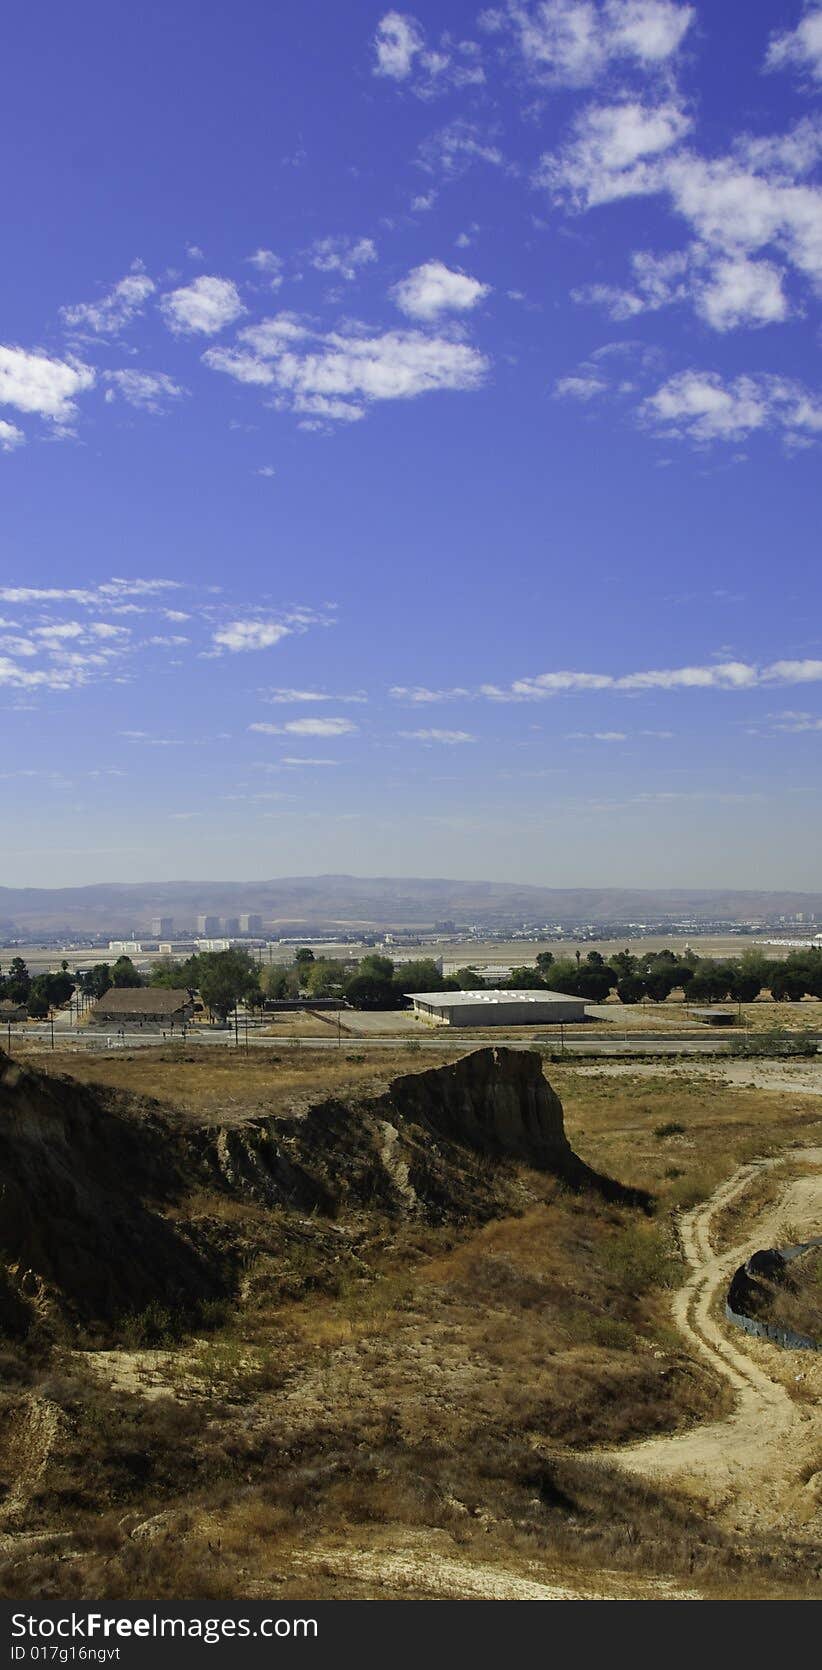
(222, 979)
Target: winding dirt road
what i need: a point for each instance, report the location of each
(758, 1465)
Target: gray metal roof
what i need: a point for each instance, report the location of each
(450, 1000)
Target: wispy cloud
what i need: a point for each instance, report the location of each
(307, 727)
(333, 377)
(434, 735)
(343, 255)
(10, 436)
(799, 48)
(402, 54)
(241, 635)
(574, 43)
(721, 675)
(287, 695)
(114, 311)
(153, 391)
(421, 694)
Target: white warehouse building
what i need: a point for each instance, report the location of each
(498, 1008)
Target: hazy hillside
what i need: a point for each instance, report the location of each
(355, 901)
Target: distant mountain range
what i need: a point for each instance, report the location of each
(357, 902)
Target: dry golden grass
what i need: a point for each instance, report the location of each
(223, 1085)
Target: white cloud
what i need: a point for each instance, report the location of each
(456, 147)
(420, 695)
(597, 736)
(16, 677)
(402, 54)
(742, 292)
(447, 737)
(241, 635)
(307, 727)
(10, 436)
(720, 675)
(613, 152)
(266, 470)
(433, 289)
(203, 307)
(699, 406)
(799, 48)
(794, 723)
(113, 312)
(343, 255)
(286, 695)
(736, 205)
(267, 262)
(397, 42)
(293, 759)
(151, 390)
(725, 292)
(106, 594)
(572, 43)
(330, 378)
(584, 388)
(35, 383)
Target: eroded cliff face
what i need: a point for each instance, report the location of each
(420, 1145)
(497, 1101)
(96, 1188)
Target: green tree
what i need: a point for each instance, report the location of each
(96, 981)
(787, 985)
(711, 983)
(564, 977)
(323, 978)
(421, 975)
(375, 967)
(278, 983)
(630, 989)
(544, 962)
(525, 979)
(125, 974)
(369, 991)
(745, 985)
(225, 977)
(53, 990)
(594, 982)
(18, 981)
(660, 981)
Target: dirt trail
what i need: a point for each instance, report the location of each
(756, 1465)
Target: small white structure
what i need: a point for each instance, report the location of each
(506, 1008)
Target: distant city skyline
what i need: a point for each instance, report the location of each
(410, 444)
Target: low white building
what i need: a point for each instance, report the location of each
(500, 1008)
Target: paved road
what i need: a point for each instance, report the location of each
(644, 1043)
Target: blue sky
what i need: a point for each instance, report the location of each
(410, 434)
